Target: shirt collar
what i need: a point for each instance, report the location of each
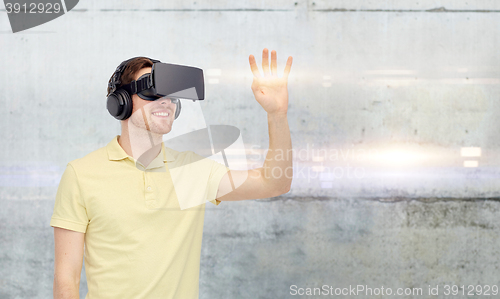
(116, 152)
(167, 153)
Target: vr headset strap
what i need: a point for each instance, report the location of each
(119, 71)
(138, 86)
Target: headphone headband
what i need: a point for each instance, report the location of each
(116, 77)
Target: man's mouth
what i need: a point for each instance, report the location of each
(161, 114)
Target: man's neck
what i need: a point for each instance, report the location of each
(140, 144)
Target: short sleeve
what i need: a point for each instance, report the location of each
(217, 172)
(69, 209)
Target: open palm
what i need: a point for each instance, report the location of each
(269, 90)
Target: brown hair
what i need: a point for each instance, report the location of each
(131, 70)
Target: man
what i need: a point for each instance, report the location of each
(121, 203)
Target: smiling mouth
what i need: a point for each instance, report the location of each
(161, 114)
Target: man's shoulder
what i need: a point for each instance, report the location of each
(91, 160)
(191, 161)
(185, 156)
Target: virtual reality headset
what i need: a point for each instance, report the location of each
(169, 80)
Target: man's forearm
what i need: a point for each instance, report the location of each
(277, 169)
(66, 289)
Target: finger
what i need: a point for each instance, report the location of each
(265, 62)
(274, 64)
(288, 67)
(253, 66)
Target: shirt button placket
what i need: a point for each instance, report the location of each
(150, 200)
(147, 183)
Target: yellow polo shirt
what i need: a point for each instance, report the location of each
(138, 242)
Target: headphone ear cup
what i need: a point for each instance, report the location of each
(177, 109)
(128, 104)
(114, 105)
(120, 104)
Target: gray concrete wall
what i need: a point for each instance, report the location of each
(392, 89)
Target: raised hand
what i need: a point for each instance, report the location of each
(270, 90)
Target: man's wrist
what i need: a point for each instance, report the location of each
(276, 116)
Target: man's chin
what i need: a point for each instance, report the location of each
(162, 131)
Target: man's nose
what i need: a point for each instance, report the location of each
(165, 101)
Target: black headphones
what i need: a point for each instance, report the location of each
(119, 101)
